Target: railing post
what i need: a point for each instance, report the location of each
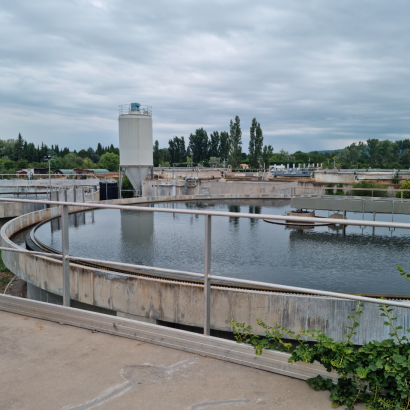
(207, 272)
(65, 250)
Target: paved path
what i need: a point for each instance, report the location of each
(47, 366)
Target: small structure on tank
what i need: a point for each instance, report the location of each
(307, 214)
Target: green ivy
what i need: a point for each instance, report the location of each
(377, 373)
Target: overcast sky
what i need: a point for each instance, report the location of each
(317, 74)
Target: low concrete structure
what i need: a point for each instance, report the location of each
(171, 173)
(161, 300)
(333, 177)
(13, 209)
(159, 188)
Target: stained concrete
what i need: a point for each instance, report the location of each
(176, 186)
(47, 366)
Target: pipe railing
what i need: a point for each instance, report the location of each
(207, 275)
(330, 188)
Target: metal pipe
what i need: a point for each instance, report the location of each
(132, 266)
(65, 252)
(316, 292)
(207, 273)
(392, 211)
(3, 248)
(11, 281)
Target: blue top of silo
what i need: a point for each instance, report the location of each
(135, 106)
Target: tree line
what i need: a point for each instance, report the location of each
(16, 154)
(219, 147)
(376, 154)
(226, 148)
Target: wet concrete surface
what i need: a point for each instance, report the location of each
(48, 366)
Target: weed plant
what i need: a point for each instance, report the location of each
(377, 373)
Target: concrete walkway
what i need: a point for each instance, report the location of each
(47, 366)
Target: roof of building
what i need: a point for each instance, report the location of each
(64, 171)
(84, 171)
(100, 171)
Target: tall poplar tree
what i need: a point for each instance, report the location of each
(224, 145)
(251, 148)
(214, 144)
(235, 136)
(258, 141)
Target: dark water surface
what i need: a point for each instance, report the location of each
(320, 258)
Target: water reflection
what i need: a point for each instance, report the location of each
(254, 210)
(234, 220)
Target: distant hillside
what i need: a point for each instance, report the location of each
(328, 150)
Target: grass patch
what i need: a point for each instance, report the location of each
(5, 275)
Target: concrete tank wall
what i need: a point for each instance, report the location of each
(334, 178)
(179, 302)
(161, 188)
(13, 209)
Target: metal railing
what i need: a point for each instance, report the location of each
(331, 188)
(142, 110)
(207, 275)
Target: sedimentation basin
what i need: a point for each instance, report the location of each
(179, 302)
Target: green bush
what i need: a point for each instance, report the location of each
(406, 185)
(329, 191)
(366, 184)
(377, 373)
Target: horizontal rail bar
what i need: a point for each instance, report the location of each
(130, 265)
(315, 292)
(351, 189)
(399, 225)
(21, 250)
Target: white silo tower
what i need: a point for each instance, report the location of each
(136, 142)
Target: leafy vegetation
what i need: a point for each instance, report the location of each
(405, 185)
(372, 153)
(17, 154)
(377, 373)
(369, 185)
(332, 192)
(5, 275)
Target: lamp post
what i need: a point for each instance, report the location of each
(173, 169)
(49, 158)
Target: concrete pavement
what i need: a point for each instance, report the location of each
(47, 366)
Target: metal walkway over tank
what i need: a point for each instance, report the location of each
(302, 199)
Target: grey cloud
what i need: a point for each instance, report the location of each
(315, 74)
